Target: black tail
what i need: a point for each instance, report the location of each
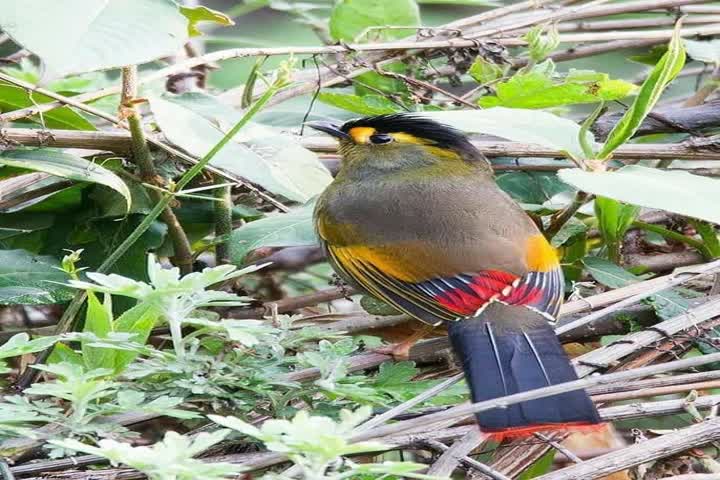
(512, 349)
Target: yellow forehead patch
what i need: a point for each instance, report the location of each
(361, 134)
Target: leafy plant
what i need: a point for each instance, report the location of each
(175, 298)
(316, 443)
(20, 344)
(169, 459)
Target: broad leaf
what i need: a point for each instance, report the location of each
(484, 71)
(139, 320)
(674, 191)
(280, 230)
(98, 320)
(614, 220)
(56, 162)
(363, 105)
(533, 188)
(351, 18)
(15, 98)
(287, 169)
(516, 124)
(84, 35)
(707, 51)
(664, 72)
(31, 280)
(538, 90)
(667, 304)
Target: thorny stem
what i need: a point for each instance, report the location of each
(144, 160)
(223, 221)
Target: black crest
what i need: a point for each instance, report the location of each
(444, 136)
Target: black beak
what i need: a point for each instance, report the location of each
(329, 128)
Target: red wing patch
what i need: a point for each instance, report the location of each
(467, 294)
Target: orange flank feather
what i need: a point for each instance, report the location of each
(541, 256)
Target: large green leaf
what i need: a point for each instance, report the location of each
(15, 98)
(83, 35)
(674, 191)
(31, 280)
(287, 169)
(281, 230)
(538, 90)
(517, 124)
(351, 18)
(56, 162)
(664, 72)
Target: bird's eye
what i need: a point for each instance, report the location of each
(380, 138)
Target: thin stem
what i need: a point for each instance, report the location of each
(29, 374)
(144, 160)
(563, 216)
(669, 234)
(223, 221)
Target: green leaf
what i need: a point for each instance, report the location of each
(484, 71)
(709, 237)
(15, 98)
(351, 18)
(31, 280)
(538, 90)
(281, 230)
(667, 304)
(139, 320)
(531, 187)
(706, 51)
(652, 56)
(289, 169)
(516, 124)
(20, 344)
(674, 191)
(614, 220)
(539, 45)
(98, 320)
(199, 14)
(540, 467)
(84, 35)
(363, 105)
(664, 72)
(56, 162)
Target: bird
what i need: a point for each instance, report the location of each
(415, 218)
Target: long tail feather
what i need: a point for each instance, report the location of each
(512, 349)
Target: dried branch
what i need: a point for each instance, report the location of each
(120, 142)
(605, 357)
(687, 118)
(74, 102)
(462, 411)
(668, 282)
(481, 467)
(449, 460)
(637, 454)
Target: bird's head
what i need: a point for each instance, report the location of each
(399, 142)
